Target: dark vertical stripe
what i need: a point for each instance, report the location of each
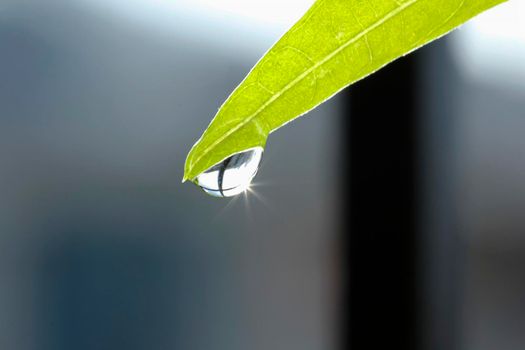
(222, 170)
(380, 133)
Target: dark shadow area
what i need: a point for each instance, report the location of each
(382, 128)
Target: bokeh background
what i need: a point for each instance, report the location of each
(102, 247)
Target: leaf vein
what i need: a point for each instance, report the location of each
(303, 75)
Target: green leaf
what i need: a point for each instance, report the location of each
(336, 43)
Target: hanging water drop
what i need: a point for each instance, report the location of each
(231, 176)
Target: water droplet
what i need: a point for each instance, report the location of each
(233, 175)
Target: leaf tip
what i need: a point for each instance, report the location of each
(186, 176)
(187, 168)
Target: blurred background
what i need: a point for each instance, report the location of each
(102, 247)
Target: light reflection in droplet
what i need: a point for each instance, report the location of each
(233, 175)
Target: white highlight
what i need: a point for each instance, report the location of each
(491, 48)
(242, 24)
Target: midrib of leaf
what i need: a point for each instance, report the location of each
(307, 72)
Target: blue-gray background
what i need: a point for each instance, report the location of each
(102, 247)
